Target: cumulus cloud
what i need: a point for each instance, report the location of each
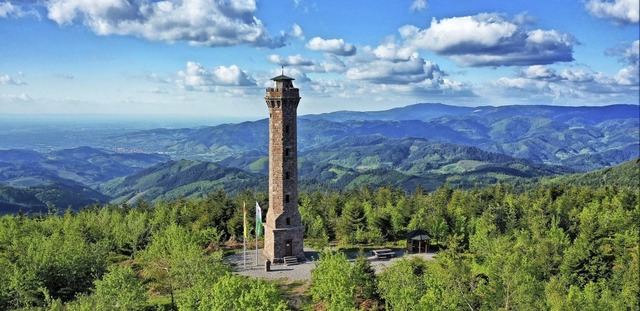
(382, 71)
(199, 22)
(490, 40)
(418, 5)
(628, 55)
(196, 77)
(293, 60)
(539, 72)
(8, 80)
(331, 63)
(620, 11)
(335, 46)
(546, 84)
(394, 52)
(630, 75)
(391, 69)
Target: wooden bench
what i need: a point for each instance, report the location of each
(384, 253)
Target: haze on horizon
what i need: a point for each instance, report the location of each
(205, 58)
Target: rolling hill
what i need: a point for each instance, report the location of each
(348, 163)
(626, 174)
(182, 178)
(47, 197)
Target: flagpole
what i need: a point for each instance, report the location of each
(244, 235)
(258, 218)
(259, 228)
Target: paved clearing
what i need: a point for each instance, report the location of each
(301, 271)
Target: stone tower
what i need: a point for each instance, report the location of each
(283, 232)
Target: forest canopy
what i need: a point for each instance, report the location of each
(554, 247)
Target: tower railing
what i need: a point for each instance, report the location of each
(279, 92)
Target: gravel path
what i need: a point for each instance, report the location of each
(301, 271)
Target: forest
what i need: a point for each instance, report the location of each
(551, 247)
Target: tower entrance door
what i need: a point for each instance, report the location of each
(288, 250)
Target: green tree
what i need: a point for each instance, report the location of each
(365, 279)
(120, 289)
(401, 285)
(233, 292)
(332, 282)
(352, 219)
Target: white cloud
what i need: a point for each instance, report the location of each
(521, 83)
(632, 54)
(293, 60)
(335, 46)
(8, 80)
(490, 40)
(199, 22)
(394, 52)
(539, 72)
(419, 5)
(332, 63)
(7, 9)
(196, 77)
(543, 84)
(621, 11)
(388, 72)
(15, 98)
(629, 75)
(297, 31)
(383, 71)
(576, 75)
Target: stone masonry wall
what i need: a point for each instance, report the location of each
(283, 221)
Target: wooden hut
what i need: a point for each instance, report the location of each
(417, 241)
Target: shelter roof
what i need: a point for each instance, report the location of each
(418, 235)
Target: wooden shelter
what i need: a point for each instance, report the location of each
(417, 241)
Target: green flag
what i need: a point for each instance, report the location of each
(258, 220)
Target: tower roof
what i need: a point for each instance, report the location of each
(281, 78)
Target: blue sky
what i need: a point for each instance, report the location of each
(215, 57)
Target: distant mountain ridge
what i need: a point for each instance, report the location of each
(583, 138)
(423, 111)
(86, 165)
(427, 111)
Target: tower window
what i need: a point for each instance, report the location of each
(288, 221)
(287, 175)
(286, 198)
(287, 152)
(286, 129)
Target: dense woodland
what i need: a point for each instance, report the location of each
(553, 247)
